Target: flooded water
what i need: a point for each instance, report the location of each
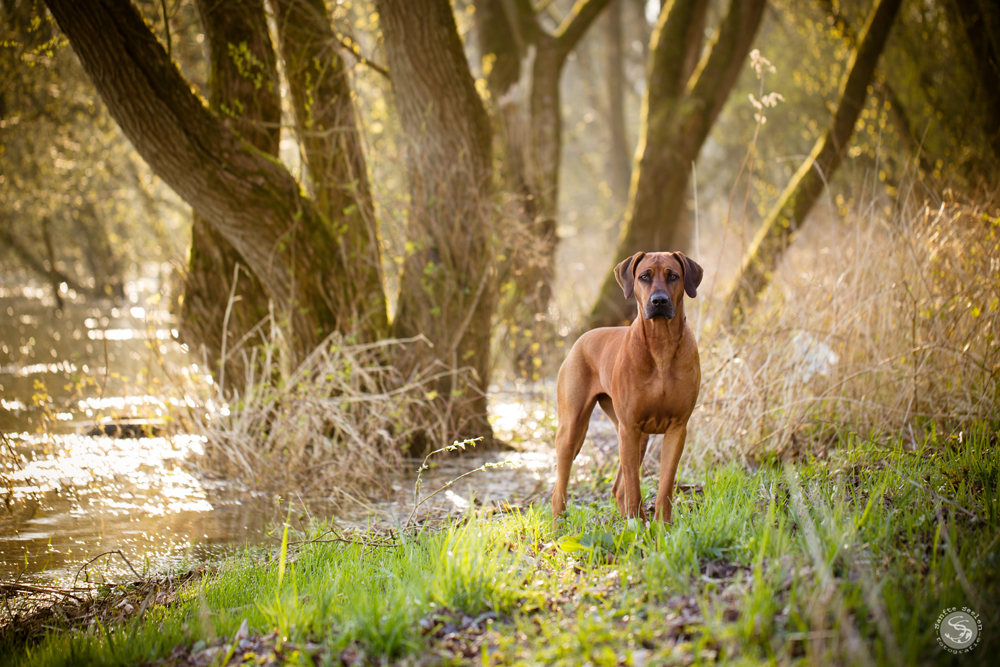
(72, 493)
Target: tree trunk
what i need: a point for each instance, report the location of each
(50, 254)
(806, 186)
(245, 195)
(447, 290)
(531, 109)
(679, 109)
(621, 160)
(244, 89)
(980, 21)
(328, 131)
(883, 88)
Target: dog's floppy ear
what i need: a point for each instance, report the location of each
(692, 274)
(625, 272)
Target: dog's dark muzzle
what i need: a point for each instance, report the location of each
(660, 305)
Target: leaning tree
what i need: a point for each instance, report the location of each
(793, 206)
(314, 256)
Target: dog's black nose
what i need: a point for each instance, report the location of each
(659, 300)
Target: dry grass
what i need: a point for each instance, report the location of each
(334, 426)
(880, 323)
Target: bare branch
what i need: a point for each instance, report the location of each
(576, 23)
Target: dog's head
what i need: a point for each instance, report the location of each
(659, 281)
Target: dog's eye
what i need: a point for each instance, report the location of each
(672, 277)
(644, 277)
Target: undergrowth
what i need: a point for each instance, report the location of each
(336, 425)
(883, 321)
(846, 559)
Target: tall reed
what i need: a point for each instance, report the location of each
(333, 426)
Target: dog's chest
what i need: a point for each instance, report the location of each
(665, 400)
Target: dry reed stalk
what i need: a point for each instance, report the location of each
(895, 330)
(334, 426)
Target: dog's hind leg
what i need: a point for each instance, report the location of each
(570, 435)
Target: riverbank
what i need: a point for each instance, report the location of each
(849, 559)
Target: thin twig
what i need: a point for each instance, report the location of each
(361, 59)
(225, 330)
(106, 553)
(166, 24)
(423, 466)
(39, 589)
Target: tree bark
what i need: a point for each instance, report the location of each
(806, 186)
(679, 109)
(243, 193)
(621, 160)
(531, 109)
(327, 129)
(243, 89)
(447, 290)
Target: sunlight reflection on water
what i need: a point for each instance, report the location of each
(75, 496)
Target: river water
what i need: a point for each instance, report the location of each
(71, 495)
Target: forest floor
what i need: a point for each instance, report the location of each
(849, 558)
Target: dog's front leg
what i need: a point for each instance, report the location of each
(629, 495)
(670, 456)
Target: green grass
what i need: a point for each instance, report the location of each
(845, 560)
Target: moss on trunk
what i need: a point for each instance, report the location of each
(447, 291)
(243, 88)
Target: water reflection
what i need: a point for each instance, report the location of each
(74, 496)
(78, 496)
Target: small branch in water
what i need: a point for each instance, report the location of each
(40, 589)
(115, 551)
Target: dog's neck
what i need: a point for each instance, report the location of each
(660, 335)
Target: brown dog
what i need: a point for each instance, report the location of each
(645, 376)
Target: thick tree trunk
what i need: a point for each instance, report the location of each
(244, 89)
(806, 186)
(679, 109)
(327, 129)
(244, 194)
(620, 168)
(447, 289)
